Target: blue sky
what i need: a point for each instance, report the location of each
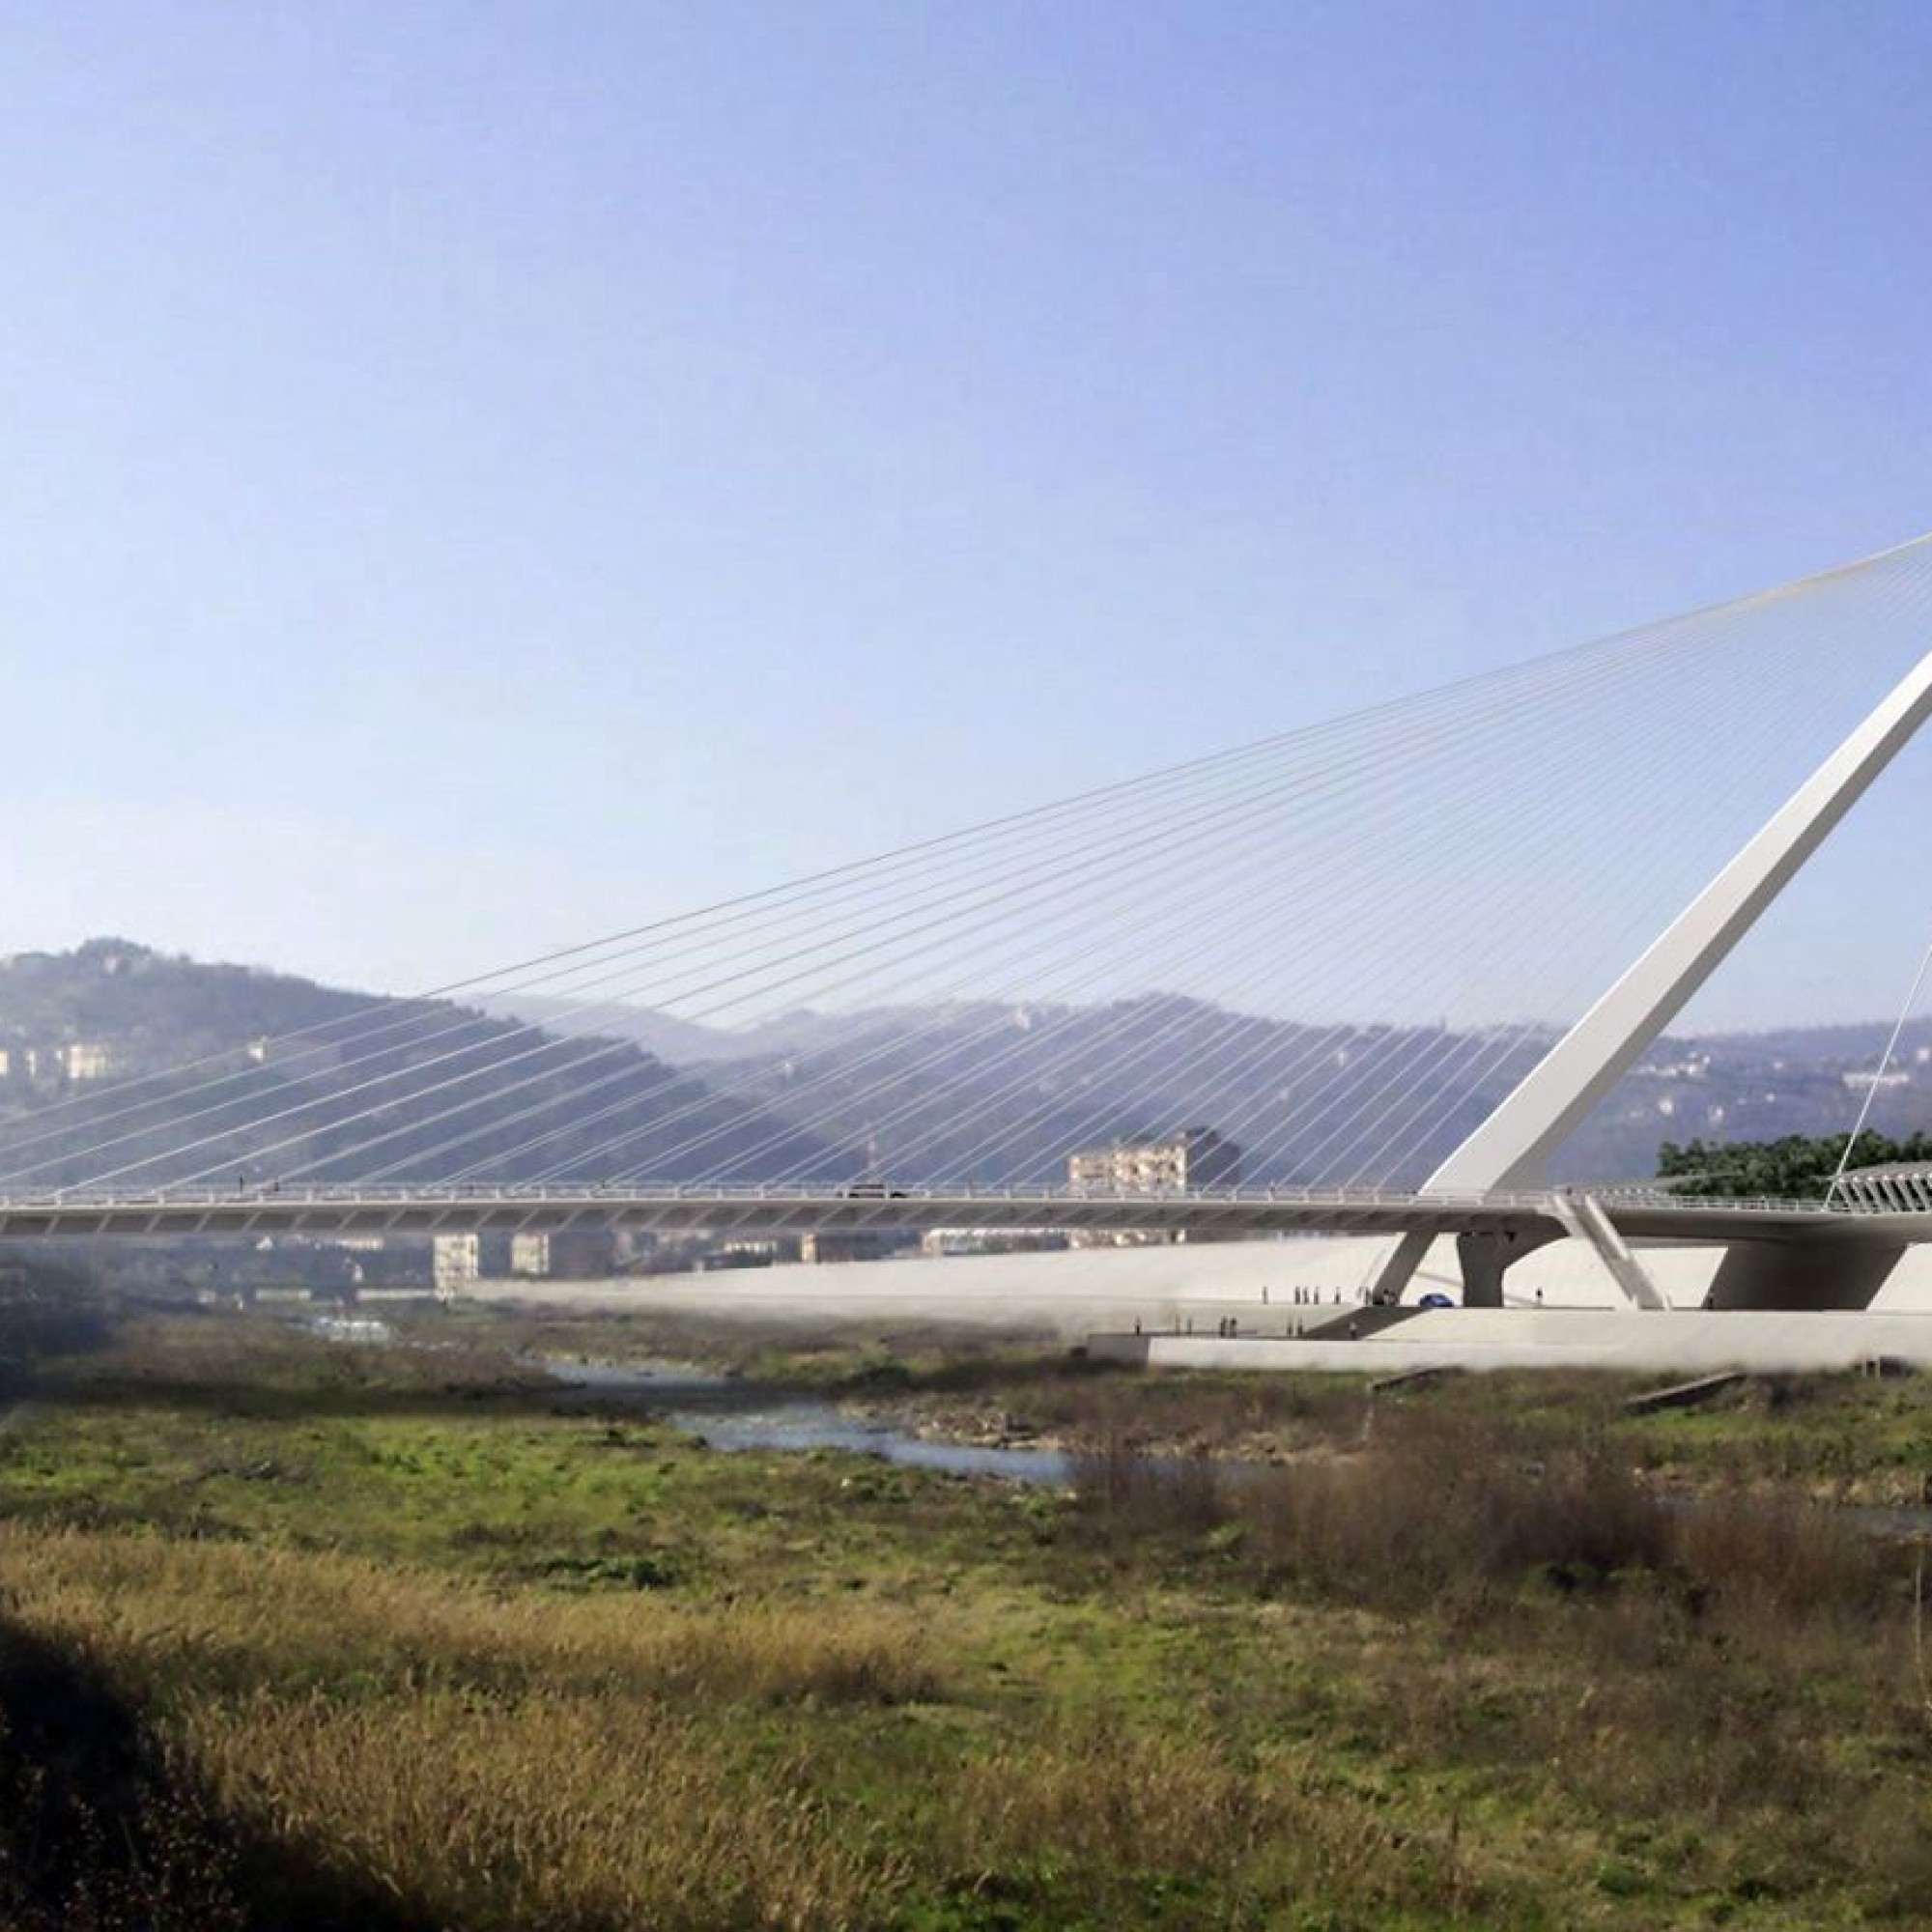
(479, 476)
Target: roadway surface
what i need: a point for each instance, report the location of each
(1529, 1218)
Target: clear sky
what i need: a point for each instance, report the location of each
(481, 475)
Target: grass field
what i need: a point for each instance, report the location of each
(294, 1634)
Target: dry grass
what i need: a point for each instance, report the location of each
(533, 1760)
(549, 1807)
(240, 1617)
(1444, 1509)
(1748, 1666)
(538, 1760)
(1107, 1799)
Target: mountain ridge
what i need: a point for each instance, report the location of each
(917, 1092)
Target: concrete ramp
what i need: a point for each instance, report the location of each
(1682, 1343)
(1360, 1323)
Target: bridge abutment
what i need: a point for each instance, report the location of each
(1789, 1277)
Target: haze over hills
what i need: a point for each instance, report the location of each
(218, 1046)
(969, 1092)
(939, 1091)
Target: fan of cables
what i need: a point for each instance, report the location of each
(1338, 947)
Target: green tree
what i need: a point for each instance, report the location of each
(1797, 1168)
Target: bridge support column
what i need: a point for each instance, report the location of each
(1584, 1216)
(1398, 1270)
(1486, 1257)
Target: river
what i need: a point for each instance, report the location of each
(738, 1415)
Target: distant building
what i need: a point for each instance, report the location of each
(456, 1264)
(48, 1068)
(570, 1254)
(86, 1060)
(991, 1240)
(1194, 1158)
(308, 1055)
(854, 1245)
(749, 1252)
(459, 1262)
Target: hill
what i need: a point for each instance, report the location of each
(974, 1091)
(118, 1060)
(995, 1093)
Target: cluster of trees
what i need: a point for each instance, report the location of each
(1797, 1168)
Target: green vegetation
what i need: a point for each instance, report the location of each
(300, 1634)
(1797, 1168)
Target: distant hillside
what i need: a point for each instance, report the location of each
(967, 1091)
(150, 1010)
(76, 1027)
(996, 1092)
(687, 1043)
(681, 1042)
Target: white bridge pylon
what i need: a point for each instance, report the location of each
(1510, 1151)
(1324, 948)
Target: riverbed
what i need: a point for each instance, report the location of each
(734, 1415)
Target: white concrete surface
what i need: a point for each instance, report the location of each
(1083, 1289)
(1680, 1343)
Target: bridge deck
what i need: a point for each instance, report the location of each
(1638, 1216)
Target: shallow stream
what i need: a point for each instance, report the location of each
(737, 1415)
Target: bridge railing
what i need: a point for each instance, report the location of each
(201, 1197)
(273, 1194)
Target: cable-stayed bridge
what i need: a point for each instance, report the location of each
(1397, 959)
(1789, 1253)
